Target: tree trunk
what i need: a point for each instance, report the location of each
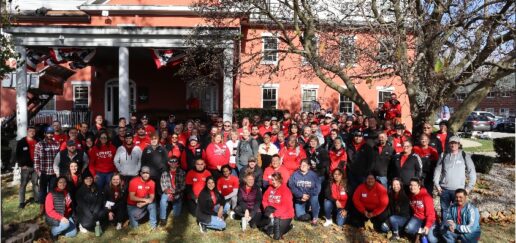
(468, 105)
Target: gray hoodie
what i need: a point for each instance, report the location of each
(128, 164)
(246, 149)
(450, 172)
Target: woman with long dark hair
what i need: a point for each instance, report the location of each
(336, 198)
(210, 207)
(90, 205)
(101, 162)
(399, 209)
(116, 198)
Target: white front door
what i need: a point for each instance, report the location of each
(208, 95)
(112, 101)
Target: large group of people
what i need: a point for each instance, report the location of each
(264, 171)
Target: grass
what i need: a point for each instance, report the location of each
(184, 229)
(486, 146)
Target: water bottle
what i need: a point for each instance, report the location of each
(98, 230)
(424, 239)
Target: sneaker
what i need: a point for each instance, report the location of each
(314, 222)
(118, 226)
(202, 228)
(395, 237)
(162, 222)
(244, 224)
(232, 215)
(21, 205)
(82, 229)
(328, 223)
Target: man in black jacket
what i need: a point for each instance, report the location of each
(360, 159)
(406, 165)
(155, 157)
(25, 158)
(383, 153)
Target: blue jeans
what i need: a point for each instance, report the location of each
(68, 229)
(313, 202)
(447, 198)
(163, 205)
(413, 226)
(451, 237)
(383, 181)
(216, 223)
(103, 179)
(152, 215)
(225, 210)
(395, 222)
(328, 211)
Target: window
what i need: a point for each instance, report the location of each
(504, 112)
(51, 105)
(491, 94)
(385, 52)
(81, 96)
(460, 96)
(490, 110)
(383, 96)
(505, 94)
(269, 97)
(309, 97)
(345, 105)
(270, 49)
(347, 50)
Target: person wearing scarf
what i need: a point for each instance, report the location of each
(90, 205)
(128, 159)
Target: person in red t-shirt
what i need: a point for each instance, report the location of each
(278, 206)
(336, 198)
(141, 139)
(429, 156)
(276, 166)
(228, 187)
(72, 135)
(141, 199)
(25, 148)
(149, 129)
(266, 127)
(59, 136)
(370, 200)
(195, 182)
(217, 155)
(423, 212)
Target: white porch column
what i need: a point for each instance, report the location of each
(123, 83)
(21, 94)
(227, 88)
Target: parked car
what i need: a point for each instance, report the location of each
(489, 115)
(505, 124)
(477, 123)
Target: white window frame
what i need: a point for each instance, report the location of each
(269, 35)
(505, 94)
(352, 104)
(54, 100)
(380, 89)
(308, 87)
(81, 84)
(491, 94)
(270, 86)
(341, 61)
(490, 110)
(506, 111)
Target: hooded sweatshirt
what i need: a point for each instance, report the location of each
(101, 159)
(291, 157)
(422, 207)
(374, 200)
(338, 159)
(217, 155)
(128, 163)
(281, 199)
(451, 170)
(301, 184)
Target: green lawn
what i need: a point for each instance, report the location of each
(184, 229)
(487, 146)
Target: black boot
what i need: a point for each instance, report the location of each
(276, 229)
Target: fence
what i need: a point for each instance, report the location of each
(67, 118)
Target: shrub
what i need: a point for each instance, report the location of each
(504, 148)
(250, 112)
(483, 163)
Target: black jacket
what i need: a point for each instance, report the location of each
(382, 161)
(360, 162)
(319, 159)
(156, 159)
(412, 168)
(90, 207)
(22, 153)
(400, 206)
(205, 205)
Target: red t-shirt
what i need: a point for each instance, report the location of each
(197, 180)
(442, 137)
(32, 146)
(264, 130)
(285, 174)
(339, 193)
(78, 144)
(226, 186)
(60, 138)
(141, 142)
(325, 129)
(141, 188)
(429, 152)
(149, 130)
(291, 158)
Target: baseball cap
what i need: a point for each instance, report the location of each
(70, 143)
(49, 130)
(274, 118)
(357, 133)
(128, 134)
(193, 137)
(173, 160)
(454, 139)
(145, 117)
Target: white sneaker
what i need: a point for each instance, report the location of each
(118, 226)
(82, 229)
(328, 223)
(244, 224)
(231, 215)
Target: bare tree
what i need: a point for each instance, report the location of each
(433, 47)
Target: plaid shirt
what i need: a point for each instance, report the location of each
(44, 155)
(179, 181)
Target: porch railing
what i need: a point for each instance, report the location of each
(67, 118)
